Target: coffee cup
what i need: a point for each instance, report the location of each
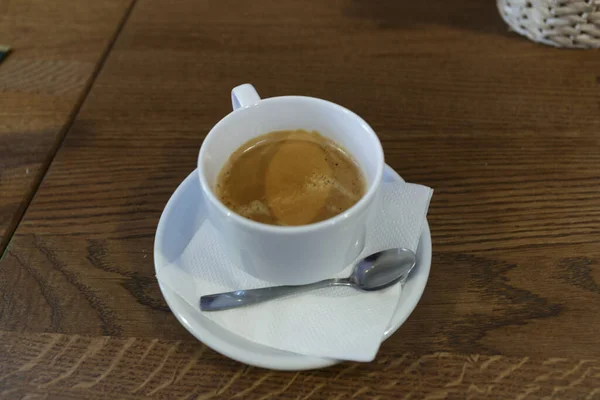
(291, 255)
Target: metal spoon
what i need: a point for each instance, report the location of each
(375, 272)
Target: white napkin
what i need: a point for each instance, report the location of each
(341, 322)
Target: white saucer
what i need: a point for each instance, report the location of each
(182, 217)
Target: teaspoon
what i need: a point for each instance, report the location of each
(375, 272)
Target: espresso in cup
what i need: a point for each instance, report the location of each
(290, 178)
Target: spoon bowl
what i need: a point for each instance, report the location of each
(383, 269)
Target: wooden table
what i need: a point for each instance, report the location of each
(58, 49)
(506, 131)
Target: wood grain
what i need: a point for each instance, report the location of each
(56, 366)
(57, 47)
(506, 131)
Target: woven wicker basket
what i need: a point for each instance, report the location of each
(566, 23)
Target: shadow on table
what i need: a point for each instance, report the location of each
(474, 15)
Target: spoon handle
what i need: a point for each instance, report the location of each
(240, 298)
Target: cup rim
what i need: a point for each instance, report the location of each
(358, 207)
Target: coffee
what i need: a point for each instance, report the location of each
(290, 178)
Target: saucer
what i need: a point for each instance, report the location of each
(182, 217)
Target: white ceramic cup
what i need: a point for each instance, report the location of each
(297, 254)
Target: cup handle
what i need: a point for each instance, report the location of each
(244, 96)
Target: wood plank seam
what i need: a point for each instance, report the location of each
(13, 225)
